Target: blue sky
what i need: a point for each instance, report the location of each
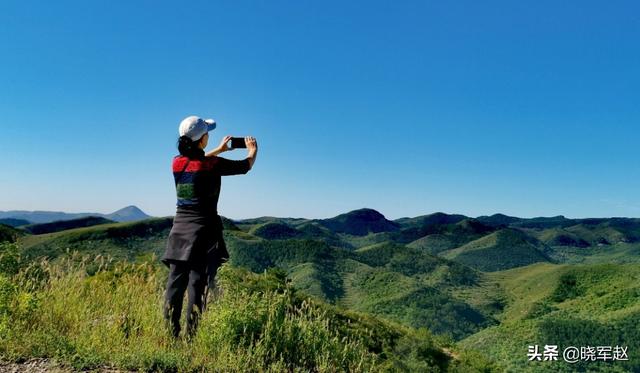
(529, 108)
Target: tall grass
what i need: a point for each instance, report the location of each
(99, 313)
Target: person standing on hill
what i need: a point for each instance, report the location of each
(195, 247)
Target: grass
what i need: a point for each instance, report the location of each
(112, 318)
(388, 280)
(119, 240)
(314, 266)
(579, 300)
(525, 286)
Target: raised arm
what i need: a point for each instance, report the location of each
(227, 167)
(223, 147)
(252, 149)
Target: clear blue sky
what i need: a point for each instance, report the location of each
(523, 107)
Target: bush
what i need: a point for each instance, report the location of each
(10, 260)
(567, 288)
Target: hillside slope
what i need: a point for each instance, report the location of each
(258, 323)
(504, 249)
(402, 284)
(495, 288)
(62, 225)
(565, 305)
(9, 234)
(450, 236)
(118, 240)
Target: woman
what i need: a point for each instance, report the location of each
(195, 247)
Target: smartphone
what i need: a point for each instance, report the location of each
(237, 142)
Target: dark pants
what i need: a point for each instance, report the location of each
(193, 278)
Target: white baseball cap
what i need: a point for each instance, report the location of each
(195, 127)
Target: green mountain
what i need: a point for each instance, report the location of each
(359, 223)
(426, 224)
(125, 214)
(359, 279)
(565, 305)
(314, 230)
(499, 220)
(12, 222)
(285, 228)
(271, 219)
(561, 237)
(330, 273)
(504, 249)
(449, 236)
(607, 232)
(544, 222)
(489, 286)
(409, 261)
(63, 225)
(273, 231)
(118, 240)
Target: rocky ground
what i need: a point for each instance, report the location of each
(42, 366)
(32, 366)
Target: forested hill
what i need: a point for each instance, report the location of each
(492, 284)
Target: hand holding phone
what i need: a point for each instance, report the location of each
(237, 142)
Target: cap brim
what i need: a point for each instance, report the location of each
(211, 124)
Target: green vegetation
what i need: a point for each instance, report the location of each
(407, 300)
(58, 226)
(438, 292)
(118, 240)
(412, 262)
(561, 237)
(399, 283)
(13, 222)
(112, 318)
(275, 231)
(565, 305)
(359, 223)
(504, 249)
(449, 236)
(9, 234)
(421, 226)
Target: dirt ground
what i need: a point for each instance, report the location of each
(44, 366)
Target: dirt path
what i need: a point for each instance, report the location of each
(35, 366)
(44, 366)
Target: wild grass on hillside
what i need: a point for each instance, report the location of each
(113, 318)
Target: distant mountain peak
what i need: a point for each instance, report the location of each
(129, 209)
(360, 222)
(128, 213)
(366, 213)
(498, 219)
(501, 215)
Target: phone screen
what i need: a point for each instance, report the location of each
(238, 142)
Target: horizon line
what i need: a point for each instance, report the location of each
(328, 217)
